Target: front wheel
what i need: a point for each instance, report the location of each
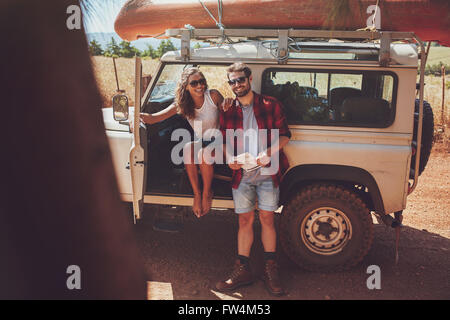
(326, 228)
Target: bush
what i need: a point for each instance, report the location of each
(436, 69)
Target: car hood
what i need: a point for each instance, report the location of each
(111, 124)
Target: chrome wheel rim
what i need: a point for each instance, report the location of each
(326, 230)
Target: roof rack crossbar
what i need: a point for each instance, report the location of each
(385, 37)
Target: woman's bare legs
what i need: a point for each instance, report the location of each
(192, 172)
(202, 200)
(207, 170)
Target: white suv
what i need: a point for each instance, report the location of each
(355, 121)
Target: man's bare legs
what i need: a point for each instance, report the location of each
(241, 274)
(268, 232)
(245, 233)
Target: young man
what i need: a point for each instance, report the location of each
(252, 113)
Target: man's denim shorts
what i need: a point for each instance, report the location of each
(263, 192)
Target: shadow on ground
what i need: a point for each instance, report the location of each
(203, 252)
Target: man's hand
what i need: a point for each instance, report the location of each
(262, 159)
(234, 165)
(226, 104)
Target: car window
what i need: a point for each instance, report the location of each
(318, 97)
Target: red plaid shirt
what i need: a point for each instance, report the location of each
(269, 115)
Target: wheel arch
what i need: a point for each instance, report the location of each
(303, 175)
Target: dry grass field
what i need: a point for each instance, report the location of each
(433, 94)
(106, 80)
(439, 54)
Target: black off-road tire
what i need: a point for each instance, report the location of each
(427, 135)
(346, 206)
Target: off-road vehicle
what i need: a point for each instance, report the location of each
(360, 137)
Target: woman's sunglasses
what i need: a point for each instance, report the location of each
(195, 83)
(238, 80)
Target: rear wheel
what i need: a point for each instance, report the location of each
(326, 228)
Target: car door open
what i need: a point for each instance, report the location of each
(138, 151)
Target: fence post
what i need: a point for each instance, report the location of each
(443, 96)
(146, 78)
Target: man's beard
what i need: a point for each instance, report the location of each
(242, 93)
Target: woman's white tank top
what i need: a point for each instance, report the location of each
(206, 117)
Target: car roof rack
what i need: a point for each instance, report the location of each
(284, 38)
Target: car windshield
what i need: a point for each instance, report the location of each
(167, 82)
(164, 89)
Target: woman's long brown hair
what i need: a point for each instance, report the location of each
(183, 99)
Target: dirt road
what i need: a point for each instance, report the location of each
(190, 262)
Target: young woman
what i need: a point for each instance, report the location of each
(195, 102)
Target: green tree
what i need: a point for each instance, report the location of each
(165, 46)
(112, 49)
(150, 52)
(128, 51)
(197, 45)
(95, 48)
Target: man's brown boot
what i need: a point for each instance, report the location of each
(240, 276)
(271, 278)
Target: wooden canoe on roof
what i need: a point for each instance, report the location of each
(429, 19)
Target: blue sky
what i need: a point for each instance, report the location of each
(102, 15)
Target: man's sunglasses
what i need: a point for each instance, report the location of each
(238, 80)
(195, 83)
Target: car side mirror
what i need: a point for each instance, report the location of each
(120, 107)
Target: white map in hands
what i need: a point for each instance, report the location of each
(247, 160)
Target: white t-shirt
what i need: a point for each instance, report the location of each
(250, 127)
(206, 117)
